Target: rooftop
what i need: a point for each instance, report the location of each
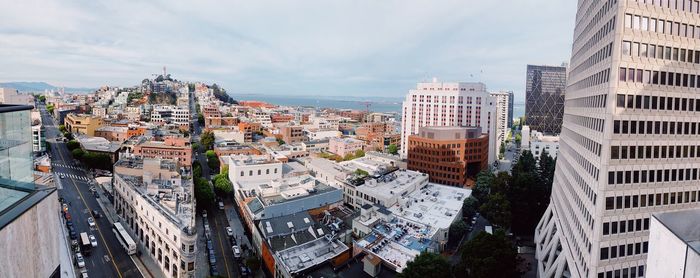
(98, 144)
(244, 160)
(312, 253)
(398, 242)
(434, 205)
(393, 185)
(681, 224)
(158, 181)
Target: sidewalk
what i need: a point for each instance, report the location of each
(144, 263)
(66, 256)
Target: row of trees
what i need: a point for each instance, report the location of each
(220, 93)
(212, 161)
(222, 185)
(90, 159)
(337, 158)
(202, 190)
(486, 255)
(514, 201)
(207, 140)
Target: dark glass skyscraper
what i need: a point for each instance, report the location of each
(544, 98)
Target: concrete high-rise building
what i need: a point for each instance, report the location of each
(511, 100)
(449, 104)
(30, 226)
(544, 98)
(504, 114)
(629, 139)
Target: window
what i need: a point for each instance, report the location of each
(604, 253)
(626, 48)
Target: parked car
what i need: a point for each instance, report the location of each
(93, 241)
(236, 251)
(221, 205)
(210, 245)
(213, 270)
(204, 213)
(233, 240)
(83, 274)
(67, 216)
(91, 222)
(96, 214)
(69, 224)
(63, 176)
(229, 231)
(79, 260)
(73, 235)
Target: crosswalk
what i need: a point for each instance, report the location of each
(66, 166)
(75, 177)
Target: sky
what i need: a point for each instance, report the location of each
(313, 47)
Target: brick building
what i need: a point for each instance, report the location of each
(449, 155)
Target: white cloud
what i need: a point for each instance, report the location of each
(304, 47)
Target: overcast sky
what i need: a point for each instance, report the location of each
(360, 48)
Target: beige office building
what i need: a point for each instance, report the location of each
(629, 140)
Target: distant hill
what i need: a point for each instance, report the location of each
(40, 87)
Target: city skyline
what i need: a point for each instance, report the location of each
(336, 49)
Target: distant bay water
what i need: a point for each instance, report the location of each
(377, 104)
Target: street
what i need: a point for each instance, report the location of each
(108, 259)
(218, 219)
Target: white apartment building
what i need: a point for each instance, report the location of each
(263, 118)
(38, 136)
(628, 140)
(156, 206)
(179, 115)
(449, 104)
(121, 99)
(537, 142)
(503, 114)
(674, 245)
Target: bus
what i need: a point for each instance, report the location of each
(124, 238)
(85, 245)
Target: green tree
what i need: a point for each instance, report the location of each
(203, 192)
(545, 168)
(497, 210)
(42, 98)
(195, 147)
(502, 149)
(393, 149)
(196, 169)
(518, 139)
(207, 140)
(348, 156)
(470, 207)
(212, 161)
(491, 256)
(361, 172)
(280, 141)
(200, 118)
(253, 262)
(50, 108)
(72, 145)
(458, 229)
(483, 185)
(61, 128)
(426, 265)
(359, 153)
(223, 185)
(78, 153)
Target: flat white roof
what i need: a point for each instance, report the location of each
(436, 205)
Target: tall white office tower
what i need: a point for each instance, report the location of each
(449, 104)
(630, 144)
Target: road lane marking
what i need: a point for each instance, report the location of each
(96, 226)
(221, 245)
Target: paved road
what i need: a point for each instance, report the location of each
(108, 259)
(226, 265)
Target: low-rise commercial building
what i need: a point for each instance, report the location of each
(82, 124)
(113, 133)
(674, 245)
(344, 146)
(537, 142)
(171, 147)
(176, 115)
(449, 155)
(156, 206)
(292, 134)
